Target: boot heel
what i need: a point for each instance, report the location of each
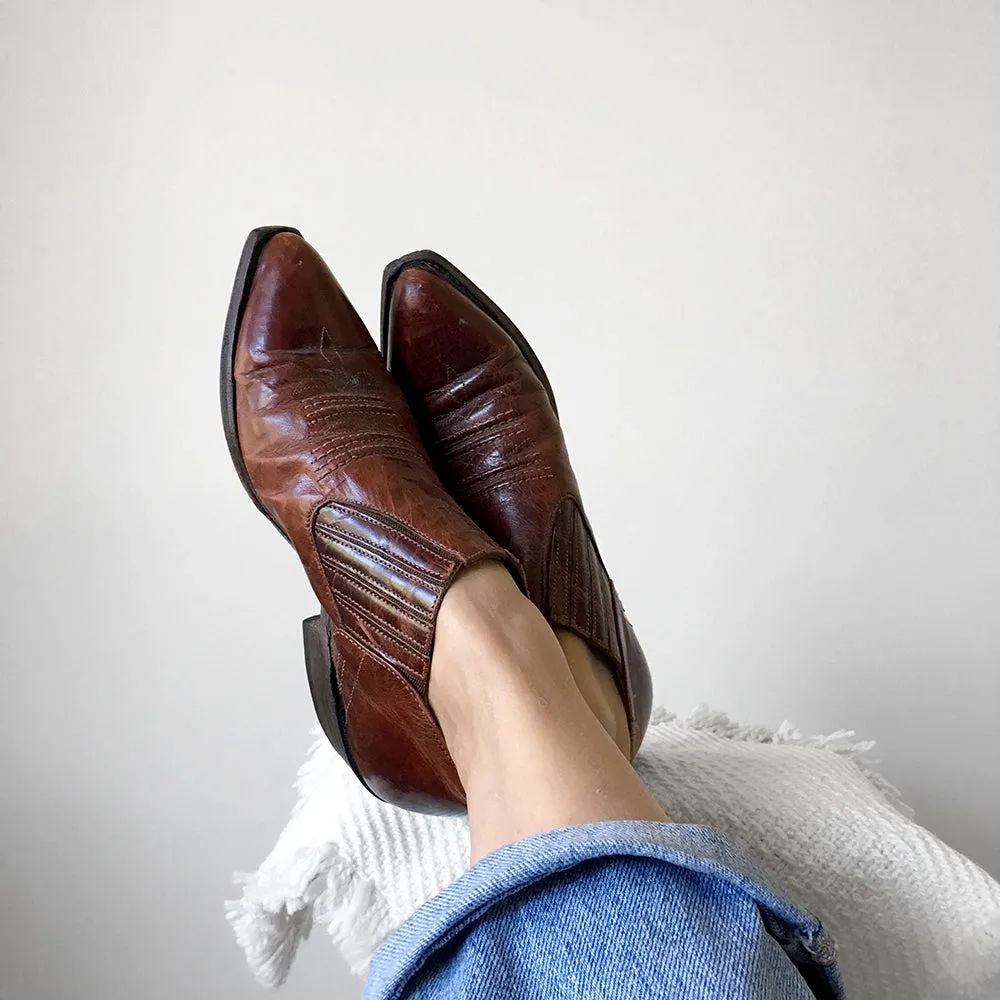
(323, 685)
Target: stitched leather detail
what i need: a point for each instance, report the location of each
(510, 437)
(577, 593)
(387, 535)
(346, 577)
(340, 516)
(388, 722)
(527, 470)
(349, 442)
(380, 446)
(557, 597)
(352, 610)
(391, 579)
(334, 404)
(501, 375)
(358, 548)
(470, 432)
(352, 424)
(605, 615)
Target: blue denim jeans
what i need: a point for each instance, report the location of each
(609, 911)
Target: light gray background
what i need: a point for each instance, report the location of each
(757, 248)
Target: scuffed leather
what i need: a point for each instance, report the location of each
(496, 442)
(334, 454)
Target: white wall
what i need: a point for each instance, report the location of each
(757, 249)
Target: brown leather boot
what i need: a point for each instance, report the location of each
(328, 450)
(489, 420)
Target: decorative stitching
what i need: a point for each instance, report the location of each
(469, 432)
(316, 568)
(372, 436)
(385, 628)
(567, 529)
(572, 566)
(606, 610)
(340, 533)
(492, 487)
(467, 429)
(365, 441)
(378, 450)
(524, 462)
(369, 554)
(335, 462)
(402, 526)
(361, 435)
(335, 411)
(358, 579)
(335, 459)
(619, 616)
(321, 399)
(505, 358)
(494, 441)
(555, 557)
(482, 483)
(357, 676)
(412, 694)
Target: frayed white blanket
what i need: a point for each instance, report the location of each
(912, 918)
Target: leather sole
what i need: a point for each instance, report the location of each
(428, 260)
(316, 630)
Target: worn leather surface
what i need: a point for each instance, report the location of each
(496, 442)
(335, 455)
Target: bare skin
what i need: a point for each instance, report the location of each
(533, 721)
(597, 685)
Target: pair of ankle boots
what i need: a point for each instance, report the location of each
(389, 473)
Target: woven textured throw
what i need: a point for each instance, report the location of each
(912, 918)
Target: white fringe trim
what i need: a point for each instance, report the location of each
(842, 742)
(287, 895)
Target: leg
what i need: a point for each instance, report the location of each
(531, 753)
(596, 682)
(623, 913)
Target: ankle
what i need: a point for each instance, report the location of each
(493, 654)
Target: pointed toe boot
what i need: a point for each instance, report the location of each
(325, 445)
(489, 420)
